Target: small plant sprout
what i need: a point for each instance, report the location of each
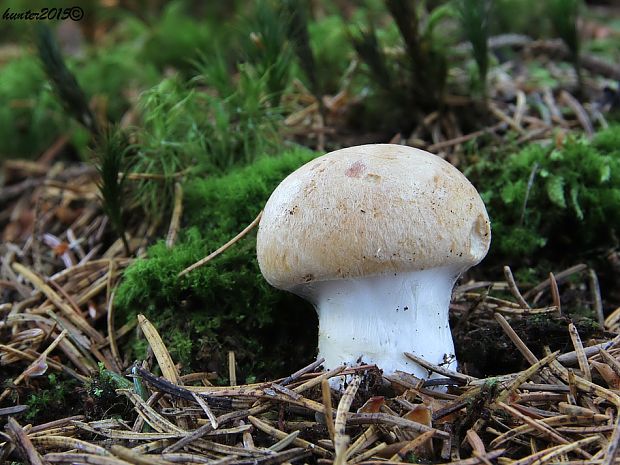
(474, 17)
(375, 237)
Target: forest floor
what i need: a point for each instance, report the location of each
(539, 364)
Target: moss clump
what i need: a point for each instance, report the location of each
(30, 117)
(100, 398)
(114, 73)
(176, 38)
(185, 126)
(226, 304)
(333, 51)
(50, 398)
(546, 201)
(520, 17)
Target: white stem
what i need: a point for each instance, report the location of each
(375, 320)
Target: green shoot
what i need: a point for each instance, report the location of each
(115, 379)
(367, 46)
(406, 18)
(267, 48)
(426, 64)
(170, 139)
(413, 83)
(69, 91)
(112, 166)
(474, 17)
(300, 38)
(564, 15)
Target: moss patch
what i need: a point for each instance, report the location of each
(553, 203)
(30, 117)
(50, 398)
(226, 304)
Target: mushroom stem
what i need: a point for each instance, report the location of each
(375, 320)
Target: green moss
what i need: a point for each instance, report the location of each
(519, 16)
(212, 131)
(176, 38)
(51, 396)
(401, 87)
(266, 46)
(333, 51)
(101, 399)
(113, 73)
(226, 304)
(547, 202)
(30, 117)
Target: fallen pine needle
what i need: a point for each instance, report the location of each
(223, 248)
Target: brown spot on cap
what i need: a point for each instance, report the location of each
(355, 170)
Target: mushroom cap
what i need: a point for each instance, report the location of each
(370, 210)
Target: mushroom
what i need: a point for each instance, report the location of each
(375, 237)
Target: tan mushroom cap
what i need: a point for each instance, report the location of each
(370, 210)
